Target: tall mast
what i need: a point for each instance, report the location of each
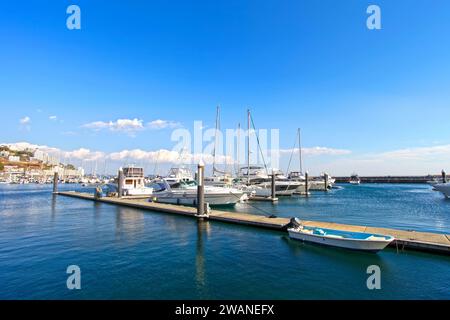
(300, 151)
(248, 147)
(215, 139)
(238, 151)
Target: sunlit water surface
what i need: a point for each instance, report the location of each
(128, 253)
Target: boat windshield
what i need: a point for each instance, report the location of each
(184, 184)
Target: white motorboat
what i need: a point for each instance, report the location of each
(343, 239)
(282, 188)
(354, 179)
(185, 193)
(434, 181)
(253, 174)
(317, 184)
(444, 188)
(177, 175)
(224, 180)
(134, 183)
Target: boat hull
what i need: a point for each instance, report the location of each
(346, 243)
(191, 199)
(139, 192)
(281, 189)
(444, 188)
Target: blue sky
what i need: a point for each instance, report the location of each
(309, 64)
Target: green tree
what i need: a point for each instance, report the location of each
(70, 167)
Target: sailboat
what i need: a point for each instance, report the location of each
(219, 178)
(297, 176)
(257, 177)
(317, 184)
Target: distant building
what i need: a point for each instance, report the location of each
(4, 154)
(46, 158)
(14, 159)
(65, 173)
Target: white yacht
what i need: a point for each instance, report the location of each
(315, 184)
(444, 188)
(185, 193)
(354, 179)
(219, 180)
(253, 174)
(134, 183)
(282, 188)
(177, 175)
(261, 183)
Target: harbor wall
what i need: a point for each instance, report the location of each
(393, 179)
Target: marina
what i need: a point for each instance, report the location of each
(421, 241)
(222, 157)
(132, 249)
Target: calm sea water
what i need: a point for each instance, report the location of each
(132, 254)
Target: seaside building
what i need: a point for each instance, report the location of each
(14, 159)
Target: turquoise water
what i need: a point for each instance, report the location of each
(128, 253)
(399, 206)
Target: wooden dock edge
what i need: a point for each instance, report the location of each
(410, 240)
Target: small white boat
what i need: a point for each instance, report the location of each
(343, 239)
(444, 188)
(354, 179)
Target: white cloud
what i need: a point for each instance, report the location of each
(130, 126)
(53, 117)
(166, 156)
(160, 156)
(138, 154)
(317, 151)
(407, 161)
(121, 125)
(421, 153)
(84, 154)
(162, 124)
(25, 120)
(22, 146)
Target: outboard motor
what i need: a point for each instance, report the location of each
(294, 223)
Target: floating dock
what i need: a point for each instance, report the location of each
(420, 241)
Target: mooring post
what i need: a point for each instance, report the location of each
(325, 178)
(120, 183)
(98, 192)
(444, 177)
(201, 190)
(306, 184)
(55, 183)
(273, 193)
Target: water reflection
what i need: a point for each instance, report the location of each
(203, 229)
(129, 223)
(53, 208)
(97, 210)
